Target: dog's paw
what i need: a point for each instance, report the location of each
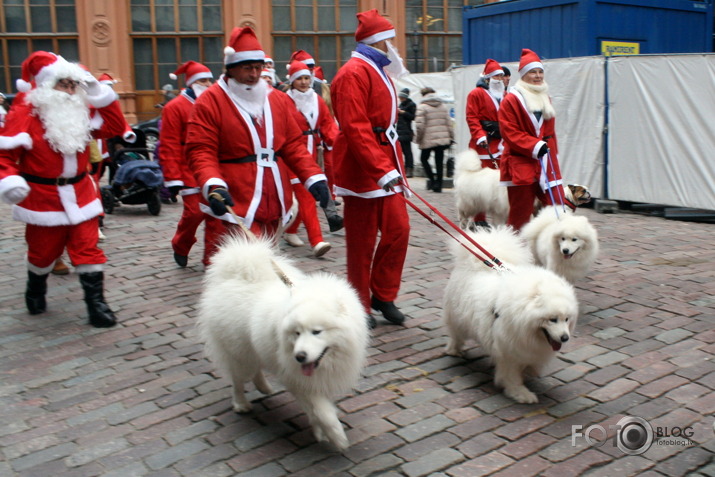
(453, 350)
(242, 407)
(522, 395)
(341, 442)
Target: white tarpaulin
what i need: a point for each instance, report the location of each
(662, 130)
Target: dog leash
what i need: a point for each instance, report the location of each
(281, 274)
(490, 260)
(550, 189)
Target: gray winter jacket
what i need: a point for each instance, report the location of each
(433, 126)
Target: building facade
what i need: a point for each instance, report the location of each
(139, 42)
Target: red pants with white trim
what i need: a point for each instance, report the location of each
(216, 229)
(308, 214)
(191, 218)
(45, 244)
(371, 270)
(521, 202)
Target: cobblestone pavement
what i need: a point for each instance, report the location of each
(140, 399)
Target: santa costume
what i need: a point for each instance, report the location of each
(368, 167)
(44, 157)
(242, 142)
(317, 124)
(177, 175)
(529, 165)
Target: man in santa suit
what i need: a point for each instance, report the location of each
(177, 175)
(482, 119)
(317, 125)
(242, 143)
(368, 166)
(43, 171)
(529, 165)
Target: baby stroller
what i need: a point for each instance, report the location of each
(133, 178)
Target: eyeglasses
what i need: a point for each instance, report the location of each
(67, 84)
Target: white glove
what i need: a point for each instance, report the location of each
(91, 85)
(16, 194)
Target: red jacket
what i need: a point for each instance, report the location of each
(174, 122)
(365, 160)
(523, 138)
(219, 140)
(481, 106)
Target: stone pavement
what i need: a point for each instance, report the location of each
(140, 399)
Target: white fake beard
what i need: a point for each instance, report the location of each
(249, 97)
(198, 89)
(537, 98)
(496, 88)
(304, 101)
(64, 116)
(396, 68)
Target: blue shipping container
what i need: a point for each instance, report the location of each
(570, 28)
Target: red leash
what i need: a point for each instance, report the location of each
(491, 261)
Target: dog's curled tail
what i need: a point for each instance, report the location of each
(250, 260)
(467, 161)
(501, 241)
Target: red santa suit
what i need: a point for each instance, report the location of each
(483, 106)
(62, 205)
(367, 156)
(317, 124)
(527, 175)
(253, 159)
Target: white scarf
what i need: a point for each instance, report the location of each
(249, 97)
(198, 89)
(64, 116)
(536, 98)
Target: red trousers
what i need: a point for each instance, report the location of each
(308, 214)
(45, 245)
(371, 270)
(521, 202)
(489, 164)
(191, 218)
(216, 229)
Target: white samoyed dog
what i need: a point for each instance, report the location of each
(311, 334)
(521, 317)
(566, 244)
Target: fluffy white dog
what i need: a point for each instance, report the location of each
(566, 244)
(311, 334)
(520, 317)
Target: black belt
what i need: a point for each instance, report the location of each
(243, 160)
(310, 132)
(379, 133)
(60, 181)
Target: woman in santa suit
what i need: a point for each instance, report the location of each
(529, 165)
(318, 125)
(44, 157)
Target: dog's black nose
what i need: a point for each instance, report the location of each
(300, 357)
(564, 338)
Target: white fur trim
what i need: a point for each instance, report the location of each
(198, 76)
(173, 183)
(37, 270)
(238, 56)
(494, 73)
(105, 97)
(536, 149)
(19, 140)
(530, 66)
(23, 86)
(12, 182)
(379, 36)
(393, 174)
(173, 76)
(89, 268)
(228, 51)
(129, 136)
(313, 179)
(298, 74)
(49, 219)
(96, 121)
(69, 165)
(214, 181)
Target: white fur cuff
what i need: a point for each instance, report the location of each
(13, 189)
(19, 140)
(105, 97)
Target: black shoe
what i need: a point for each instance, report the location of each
(389, 311)
(371, 322)
(181, 260)
(335, 222)
(35, 293)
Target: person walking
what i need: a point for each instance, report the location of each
(530, 164)
(177, 175)
(44, 158)
(242, 142)
(405, 115)
(369, 168)
(433, 133)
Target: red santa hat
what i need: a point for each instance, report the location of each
(492, 68)
(193, 70)
(302, 55)
(318, 73)
(529, 61)
(373, 27)
(296, 70)
(243, 46)
(104, 78)
(44, 66)
(269, 73)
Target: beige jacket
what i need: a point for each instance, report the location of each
(433, 126)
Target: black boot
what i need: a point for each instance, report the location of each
(389, 311)
(35, 293)
(371, 322)
(100, 316)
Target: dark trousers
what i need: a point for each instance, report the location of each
(407, 153)
(438, 161)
